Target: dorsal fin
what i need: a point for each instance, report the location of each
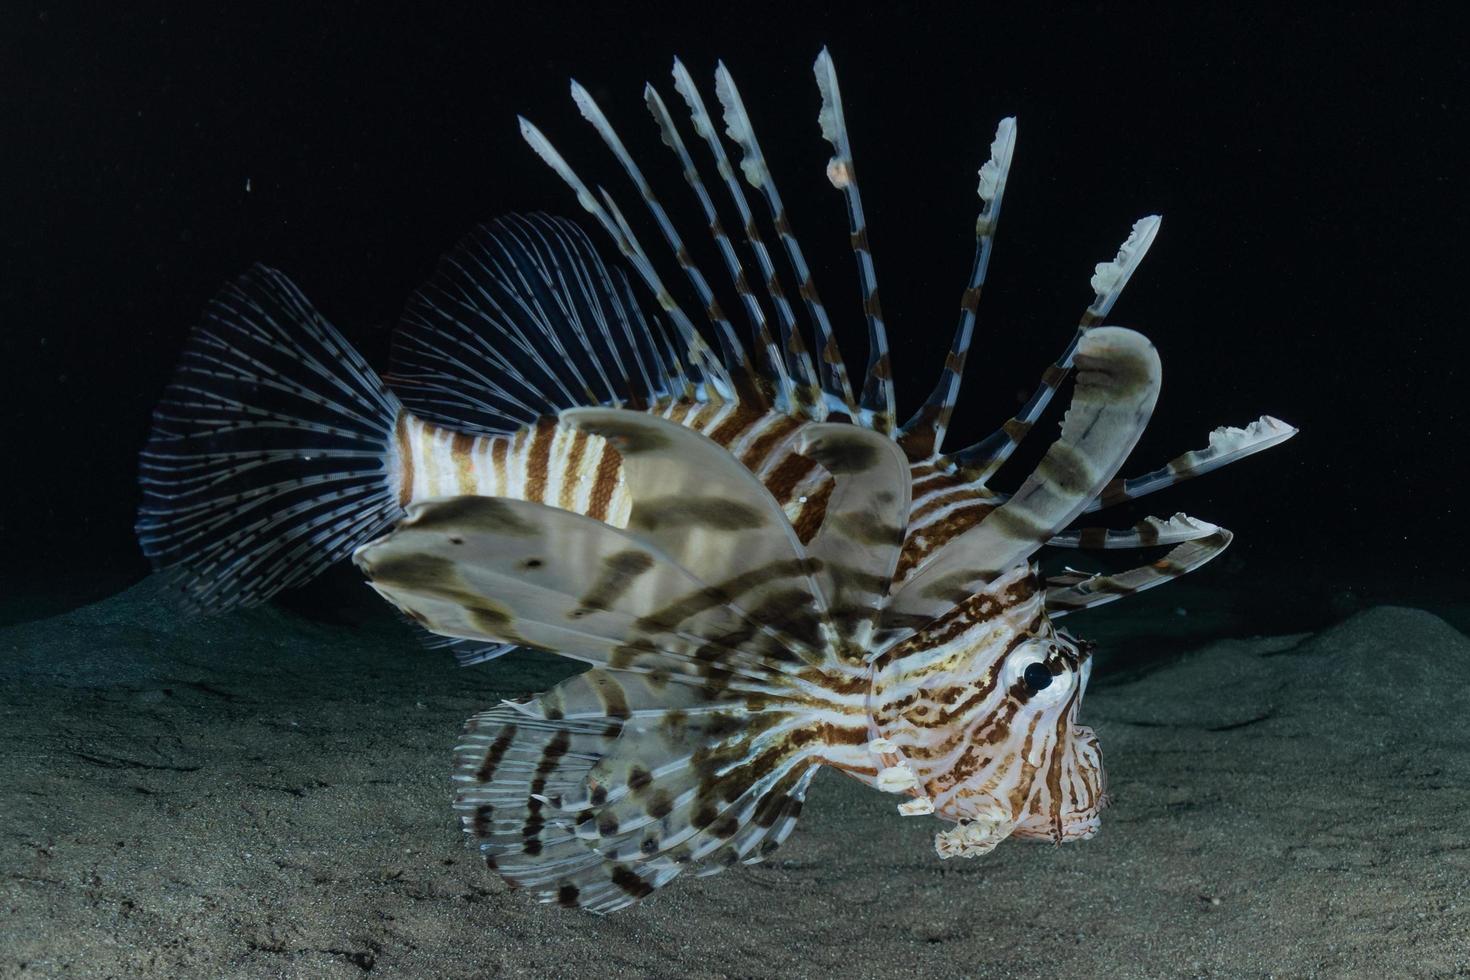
(521, 320)
(807, 388)
(923, 434)
(736, 360)
(876, 399)
(835, 384)
(711, 376)
(1108, 279)
(774, 360)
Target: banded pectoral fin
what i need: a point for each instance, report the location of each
(858, 544)
(606, 788)
(1117, 385)
(466, 652)
(703, 508)
(699, 788)
(513, 571)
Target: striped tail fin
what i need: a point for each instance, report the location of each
(272, 453)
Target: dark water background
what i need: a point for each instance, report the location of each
(1309, 166)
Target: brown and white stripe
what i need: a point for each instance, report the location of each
(559, 466)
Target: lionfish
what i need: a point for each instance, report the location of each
(766, 573)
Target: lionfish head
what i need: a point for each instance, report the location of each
(981, 706)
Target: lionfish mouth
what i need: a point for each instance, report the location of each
(1069, 830)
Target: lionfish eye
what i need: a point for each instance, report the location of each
(1037, 677)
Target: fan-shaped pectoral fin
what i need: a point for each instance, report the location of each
(705, 509)
(1117, 385)
(513, 571)
(857, 547)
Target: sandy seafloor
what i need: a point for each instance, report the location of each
(266, 795)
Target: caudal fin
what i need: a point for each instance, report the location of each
(272, 453)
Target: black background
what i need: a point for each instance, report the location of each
(1309, 166)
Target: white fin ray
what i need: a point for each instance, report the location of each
(736, 359)
(989, 454)
(243, 494)
(799, 361)
(924, 432)
(1109, 278)
(521, 319)
(628, 244)
(1227, 445)
(776, 369)
(877, 394)
(1149, 533)
(835, 383)
(1076, 591)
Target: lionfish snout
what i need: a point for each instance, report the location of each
(1068, 807)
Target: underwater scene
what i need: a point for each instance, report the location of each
(472, 510)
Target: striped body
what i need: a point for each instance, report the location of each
(566, 468)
